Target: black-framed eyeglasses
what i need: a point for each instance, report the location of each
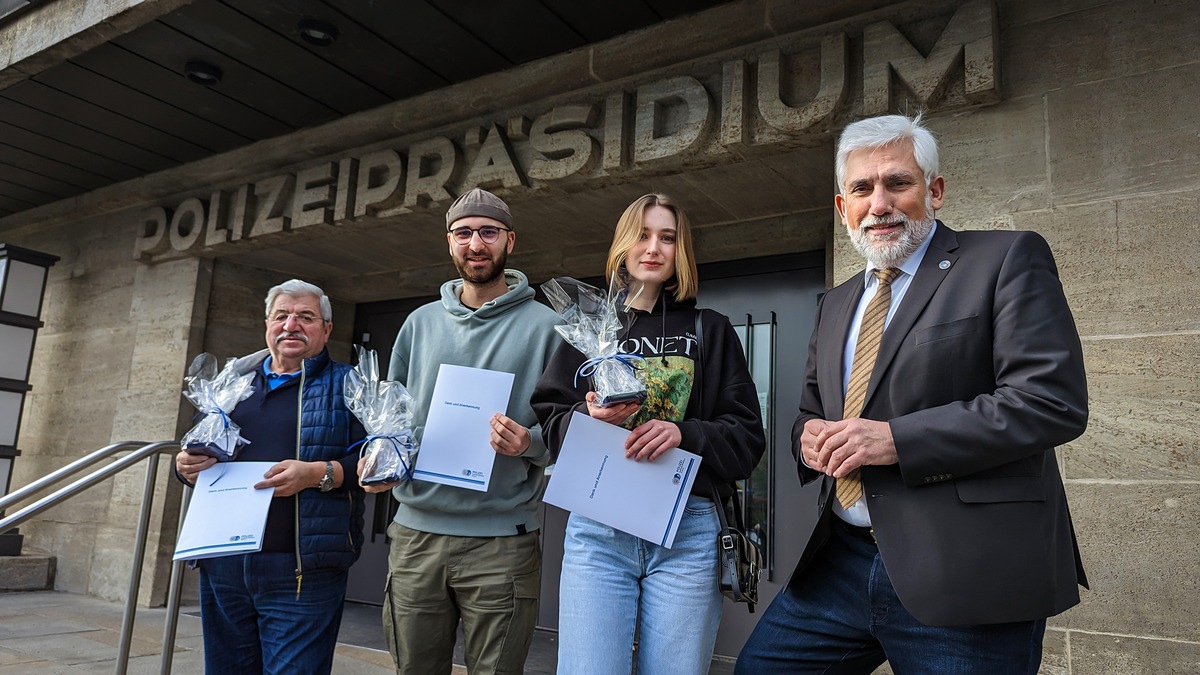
(488, 233)
(302, 318)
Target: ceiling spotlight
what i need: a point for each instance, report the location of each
(204, 74)
(317, 32)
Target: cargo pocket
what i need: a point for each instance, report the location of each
(526, 590)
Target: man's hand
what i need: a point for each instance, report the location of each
(808, 444)
(613, 414)
(189, 465)
(650, 440)
(291, 476)
(381, 487)
(837, 448)
(508, 437)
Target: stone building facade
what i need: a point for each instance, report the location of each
(1076, 119)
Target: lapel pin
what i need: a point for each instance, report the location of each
(944, 265)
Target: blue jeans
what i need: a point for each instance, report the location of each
(841, 615)
(613, 583)
(254, 622)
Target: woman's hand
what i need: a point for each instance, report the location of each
(650, 440)
(613, 414)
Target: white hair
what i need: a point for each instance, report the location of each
(296, 287)
(878, 132)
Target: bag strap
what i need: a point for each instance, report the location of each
(695, 406)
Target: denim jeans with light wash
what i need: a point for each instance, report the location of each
(254, 622)
(610, 579)
(842, 616)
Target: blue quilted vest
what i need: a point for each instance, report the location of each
(331, 523)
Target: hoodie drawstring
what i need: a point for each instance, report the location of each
(663, 297)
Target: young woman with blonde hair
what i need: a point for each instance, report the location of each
(613, 584)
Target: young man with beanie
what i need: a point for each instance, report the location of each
(459, 554)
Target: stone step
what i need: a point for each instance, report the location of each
(27, 572)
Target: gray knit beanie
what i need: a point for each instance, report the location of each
(479, 202)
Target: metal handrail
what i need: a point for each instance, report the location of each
(148, 451)
(174, 593)
(63, 473)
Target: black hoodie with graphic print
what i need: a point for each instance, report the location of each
(724, 426)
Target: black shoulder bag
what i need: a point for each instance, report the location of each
(739, 562)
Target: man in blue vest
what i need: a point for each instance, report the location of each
(278, 610)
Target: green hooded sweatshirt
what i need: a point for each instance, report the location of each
(513, 334)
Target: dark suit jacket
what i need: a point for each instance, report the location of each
(980, 375)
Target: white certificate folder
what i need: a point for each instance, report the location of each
(456, 447)
(594, 479)
(226, 515)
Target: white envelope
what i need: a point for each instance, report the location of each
(456, 446)
(226, 515)
(594, 479)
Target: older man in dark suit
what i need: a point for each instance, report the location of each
(939, 382)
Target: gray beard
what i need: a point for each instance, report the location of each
(890, 252)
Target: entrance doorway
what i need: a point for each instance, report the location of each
(772, 302)
(376, 325)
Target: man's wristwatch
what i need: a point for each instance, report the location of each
(326, 483)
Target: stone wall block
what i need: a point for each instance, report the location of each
(794, 233)
(88, 424)
(38, 428)
(412, 282)
(585, 260)
(742, 192)
(1016, 13)
(1055, 652)
(74, 546)
(1114, 256)
(159, 356)
(85, 508)
(1144, 404)
(162, 290)
(93, 298)
(1051, 46)
(1132, 655)
(127, 488)
(578, 217)
(787, 16)
(994, 162)
(151, 415)
(538, 265)
(88, 360)
(110, 573)
(1121, 137)
(238, 292)
(1138, 541)
(224, 341)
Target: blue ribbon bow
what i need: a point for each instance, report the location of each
(628, 360)
(396, 445)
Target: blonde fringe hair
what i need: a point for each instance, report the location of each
(686, 283)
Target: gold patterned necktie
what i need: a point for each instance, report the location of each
(866, 350)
